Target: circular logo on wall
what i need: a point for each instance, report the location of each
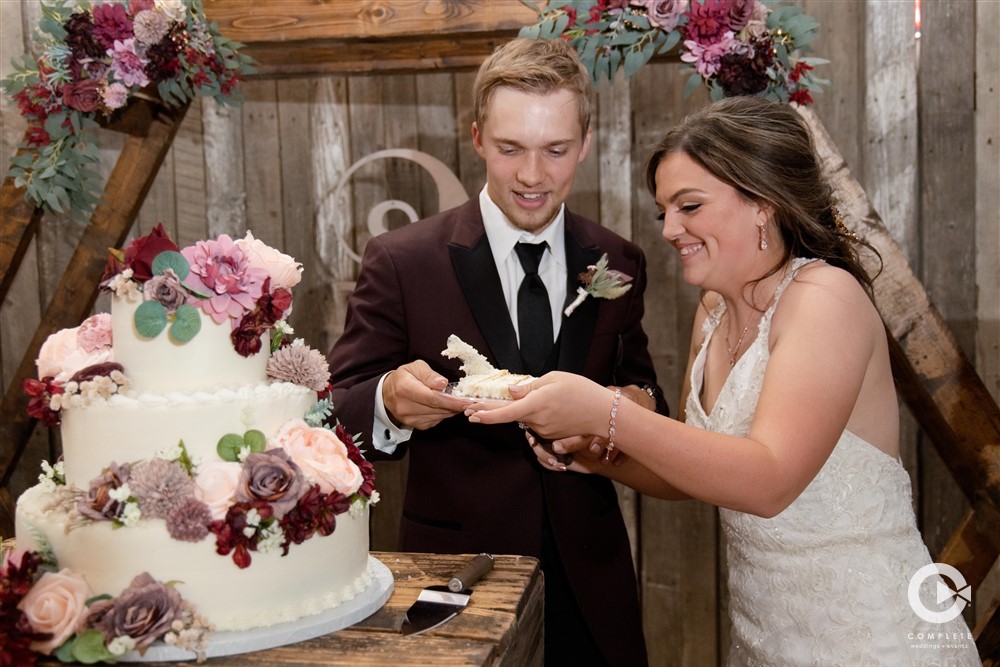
(960, 595)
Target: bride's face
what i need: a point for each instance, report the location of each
(713, 227)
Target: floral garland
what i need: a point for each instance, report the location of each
(93, 60)
(734, 47)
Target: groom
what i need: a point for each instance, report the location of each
(468, 272)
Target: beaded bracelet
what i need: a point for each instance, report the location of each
(612, 424)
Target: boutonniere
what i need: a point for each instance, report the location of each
(599, 282)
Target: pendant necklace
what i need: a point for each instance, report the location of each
(739, 342)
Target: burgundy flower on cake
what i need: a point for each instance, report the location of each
(17, 575)
(139, 255)
(40, 398)
(236, 534)
(221, 269)
(316, 512)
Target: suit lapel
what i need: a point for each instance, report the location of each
(577, 330)
(472, 259)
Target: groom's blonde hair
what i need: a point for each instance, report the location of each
(539, 66)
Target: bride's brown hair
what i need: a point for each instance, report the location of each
(766, 152)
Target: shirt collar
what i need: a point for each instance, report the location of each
(503, 235)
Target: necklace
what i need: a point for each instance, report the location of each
(739, 341)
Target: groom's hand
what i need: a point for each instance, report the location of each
(413, 399)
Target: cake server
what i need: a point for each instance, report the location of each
(439, 604)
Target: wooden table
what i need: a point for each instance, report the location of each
(502, 626)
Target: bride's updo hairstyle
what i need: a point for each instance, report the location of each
(765, 151)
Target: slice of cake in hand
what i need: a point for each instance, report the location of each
(481, 379)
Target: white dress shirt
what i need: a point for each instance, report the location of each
(503, 236)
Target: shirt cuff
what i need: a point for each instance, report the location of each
(386, 436)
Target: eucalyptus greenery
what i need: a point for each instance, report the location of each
(56, 164)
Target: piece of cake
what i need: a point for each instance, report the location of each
(481, 379)
(196, 463)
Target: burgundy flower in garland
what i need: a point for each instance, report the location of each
(80, 37)
(744, 72)
(111, 23)
(708, 21)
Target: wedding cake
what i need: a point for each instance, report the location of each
(199, 488)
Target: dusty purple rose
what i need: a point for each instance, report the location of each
(664, 14)
(144, 611)
(82, 95)
(98, 504)
(167, 289)
(740, 14)
(273, 477)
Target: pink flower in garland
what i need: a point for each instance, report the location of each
(707, 57)
(129, 67)
(221, 270)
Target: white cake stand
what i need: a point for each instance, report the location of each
(364, 605)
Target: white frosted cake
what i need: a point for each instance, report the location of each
(481, 379)
(196, 463)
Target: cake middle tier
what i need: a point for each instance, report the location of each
(135, 426)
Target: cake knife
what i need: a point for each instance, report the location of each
(439, 604)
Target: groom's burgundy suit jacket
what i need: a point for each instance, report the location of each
(474, 488)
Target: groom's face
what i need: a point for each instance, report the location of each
(532, 145)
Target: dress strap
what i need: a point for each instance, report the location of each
(797, 264)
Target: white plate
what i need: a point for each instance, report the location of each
(450, 390)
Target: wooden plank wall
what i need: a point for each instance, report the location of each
(917, 121)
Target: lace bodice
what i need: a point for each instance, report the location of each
(824, 582)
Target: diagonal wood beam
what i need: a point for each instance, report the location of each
(77, 290)
(18, 226)
(933, 375)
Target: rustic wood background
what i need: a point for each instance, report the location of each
(916, 119)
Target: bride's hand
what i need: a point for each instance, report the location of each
(556, 406)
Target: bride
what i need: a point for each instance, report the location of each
(790, 420)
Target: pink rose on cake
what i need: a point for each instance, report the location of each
(216, 485)
(221, 270)
(55, 605)
(321, 455)
(284, 270)
(70, 350)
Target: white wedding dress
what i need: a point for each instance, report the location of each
(825, 582)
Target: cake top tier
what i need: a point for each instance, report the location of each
(198, 318)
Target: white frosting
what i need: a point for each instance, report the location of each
(473, 363)
(160, 364)
(134, 426)
(315, 575)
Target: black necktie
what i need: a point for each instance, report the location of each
(534, 313)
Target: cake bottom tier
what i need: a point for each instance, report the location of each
(317, 575)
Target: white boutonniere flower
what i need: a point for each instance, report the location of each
(600, 282)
